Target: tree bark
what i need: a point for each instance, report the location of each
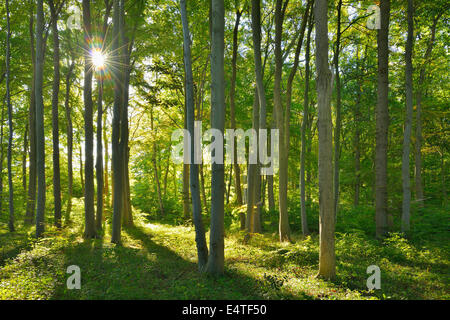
(419, 93)
(337, 132)
(202, 249)
(284, 229)
(382, 123)
(55, 117)
(216, 257)
(117, 157)
(69, 129)
(10, 124)
(304, 219)
(327, 258)
(89, 211)
(237, 169)
(40, 135)
(406, 183)
(31, 196)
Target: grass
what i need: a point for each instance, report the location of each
(158, 261)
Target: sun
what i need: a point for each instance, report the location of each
(98, 59)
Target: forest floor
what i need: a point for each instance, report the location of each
(158, 261)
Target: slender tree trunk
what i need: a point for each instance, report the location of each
(166, 172)
(237, 169)
(382, 123)
(202, 249)
(89, 211)
(186, 202)
(24, 160)
(99, 160)
(357, 120)
(124, 131)
(55, 117)
(40, 135)
(99, 155)
(117, 157)
(284, 229)
(406, 205)
(443, 180)
(69, 129)
(304, 219)
(155, 168)
(253, 194)
(216, 257)
(81, 171)
(230, 181)
(327, 258)
(419, 93)
(337, 132)
(106, 171)
(2, 155)
(31, 197)
(10, 124)
(203, 187)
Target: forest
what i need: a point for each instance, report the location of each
(224, 150)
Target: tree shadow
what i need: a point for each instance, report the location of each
(144, 269)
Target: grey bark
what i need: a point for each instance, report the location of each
(31, 195)
(40, 137)
(69, 129)
(337, 132)
(327, 258)
(200, 240)
(55, 117)
(115, 140)
(419, 93)
(382, 123)
(406, 183)
(304, 219)
(89, 211)
(10, 124)
(216, 256)
(237, 169)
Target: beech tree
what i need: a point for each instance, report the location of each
(327, 258)
(382, 122)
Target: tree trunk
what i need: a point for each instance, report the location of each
(24, 160)
(2, 154)
(419, 138)
(327, 258)
(99, 160)
(69, 129)
(89, 211)
(40, 135)
(31, 196)
(252, 222)
(155, 167)
(216, 257)
(117, 157)
(406, 205)
(202, 249)
(337, 132)
(382, 123)
(304, 219)
(357, 120)
(81, 171)
(55, 117)
(10, 124)
(284, 229)
(106, 171)
(237, 169)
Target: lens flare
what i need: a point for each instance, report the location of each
(98, 59)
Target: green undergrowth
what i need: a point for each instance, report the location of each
(158, 261)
